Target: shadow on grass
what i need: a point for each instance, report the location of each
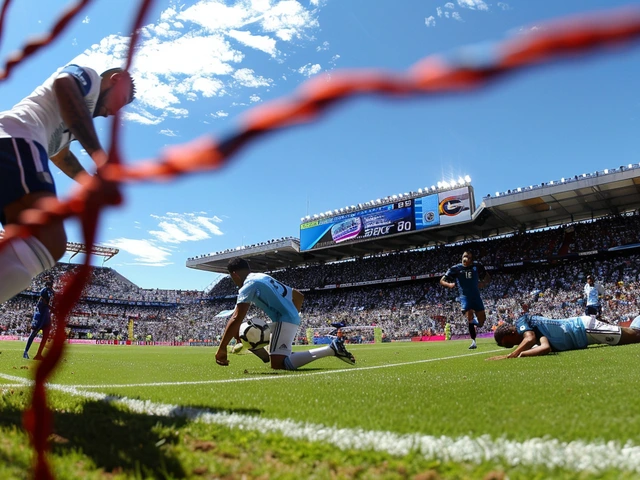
(117, 439)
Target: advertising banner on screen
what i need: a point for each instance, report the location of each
(401, 217)
(455, 206)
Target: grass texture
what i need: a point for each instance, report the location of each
(171, 412)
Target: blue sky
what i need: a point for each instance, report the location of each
(202, 64)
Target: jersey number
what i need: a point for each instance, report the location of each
(468, 274)
(277, 284)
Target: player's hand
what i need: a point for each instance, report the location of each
(101, 188)
(221, 357)
(497, 357)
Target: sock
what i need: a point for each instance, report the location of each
(32, 337)
(298, 359)
(20, 261)
(472, 332)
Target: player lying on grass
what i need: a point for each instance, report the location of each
(282, 304)
(535, 335)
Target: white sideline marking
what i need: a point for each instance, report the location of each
(577, 456)
(284, 374)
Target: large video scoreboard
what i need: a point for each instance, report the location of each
(401, 217)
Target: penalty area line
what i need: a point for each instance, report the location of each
(575, 456)
(284, 374)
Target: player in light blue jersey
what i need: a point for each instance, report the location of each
(535, 335)
(282, 304)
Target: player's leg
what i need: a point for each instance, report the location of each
(261, 353)
(282, 357)
(24, 180)
(482, 317)
(629, 335)
(32, 337)
(46, 329)
(472, 328)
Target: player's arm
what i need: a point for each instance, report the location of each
(297, 298)
(231, 331)
(76, 116)
(543, 349)
(446, 282)
(68, 163)
(486, 278)
(526, 344)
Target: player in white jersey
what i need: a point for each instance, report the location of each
(282, 304)
(593, 292)
(38, 129)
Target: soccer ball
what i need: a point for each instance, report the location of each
(255, 333)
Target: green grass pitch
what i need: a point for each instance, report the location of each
(407, 410)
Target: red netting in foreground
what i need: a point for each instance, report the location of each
(431, 76)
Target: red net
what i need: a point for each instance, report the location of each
(431, 76)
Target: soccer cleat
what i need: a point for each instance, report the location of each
(337, 345)
(473, 346)
(25, 355)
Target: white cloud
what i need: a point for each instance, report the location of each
(195, 52)
(254, 98)
(504, 6)
(220, 114)
(473, 4)
(309, 70)
(449, 5)
(86, 19)
(456, 16)
(168, 132)
(430, 21)
(144, 251)
(185, 227)
(259, 42)
(324, 46)
(247, 78)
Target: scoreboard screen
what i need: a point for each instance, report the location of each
(403, 216)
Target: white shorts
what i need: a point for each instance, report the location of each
(282, 336)
(601, 332)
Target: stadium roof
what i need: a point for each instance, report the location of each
(584, 197)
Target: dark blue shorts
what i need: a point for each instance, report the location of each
(593, 310)
(41, 320)
(471, 303)
(24, 168)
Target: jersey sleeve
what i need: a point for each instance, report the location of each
(523, 325)
(451, 274)
(482, 272)
(247, 293)
(45, 294)
(84, 77)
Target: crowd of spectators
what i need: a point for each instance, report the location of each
(402, 308)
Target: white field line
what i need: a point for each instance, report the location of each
(577, 456)
(284, 374)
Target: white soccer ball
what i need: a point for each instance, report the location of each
(255, 333)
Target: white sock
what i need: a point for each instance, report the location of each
(20, 261)
(473, 342)
(298, 359)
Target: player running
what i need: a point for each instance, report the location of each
(282, 304)
(469, 277)
(41, 320)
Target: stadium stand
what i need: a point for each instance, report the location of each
(396, 291)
